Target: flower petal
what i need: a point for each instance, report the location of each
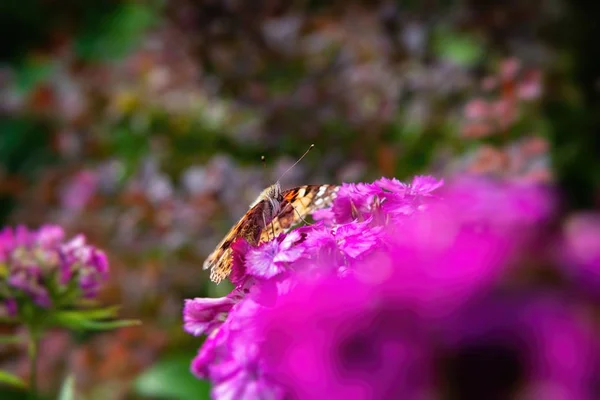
(202, 315)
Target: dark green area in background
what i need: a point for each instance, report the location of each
(576, 124)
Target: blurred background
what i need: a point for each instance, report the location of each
(142, 124)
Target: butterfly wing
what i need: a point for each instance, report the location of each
(297, 204)
(249, 227)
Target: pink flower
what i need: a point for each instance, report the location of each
(338, 338)
(580, 250)
(530, 88)
(203, 315)
(78, 193)
(41, 266)
(271, 259)
(230, 358)
(355, 202)
(477, 109)
(509, 69)
(409, 285)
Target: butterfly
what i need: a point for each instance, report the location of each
(273, 212)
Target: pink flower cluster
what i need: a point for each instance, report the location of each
(404, 291)
(507, 92)
(41, 267)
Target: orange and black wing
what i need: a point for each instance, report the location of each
(220, 260)
(297, 204)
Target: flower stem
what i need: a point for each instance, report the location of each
(34, 342)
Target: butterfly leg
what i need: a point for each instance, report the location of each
(300, 216)
(265, 225)
(273, 229)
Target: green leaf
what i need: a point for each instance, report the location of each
(32, 73)
(67, 391)
(76, 321)
(81, 320)
(9, 379)
(171, 378)
(10, 339)
(96, 313)
(25, 145)
(128, 147)
(115, 34)
(109, 325)
(461, 49)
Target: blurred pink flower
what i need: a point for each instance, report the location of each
(40, 266)
(340, 339)
(581, 249)
(530, 87)
(509, 69)
(477, 109)
(78, 192)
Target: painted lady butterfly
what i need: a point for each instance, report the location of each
(273, 212)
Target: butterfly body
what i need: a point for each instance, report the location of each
(273, 212)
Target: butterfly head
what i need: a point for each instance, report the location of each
(274, 191)
(272, 197)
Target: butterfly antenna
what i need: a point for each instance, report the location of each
(300, 159)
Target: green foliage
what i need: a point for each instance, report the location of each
(31, 73)
(24, 150)
(80, 320)
(283, 77)
(462, 49)
(170, 378)
(4, 339)
(11, 380)
(115, 34)
(129, 147)
(13, 393)
(24, 145)
(33, 24)
(39, 321)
